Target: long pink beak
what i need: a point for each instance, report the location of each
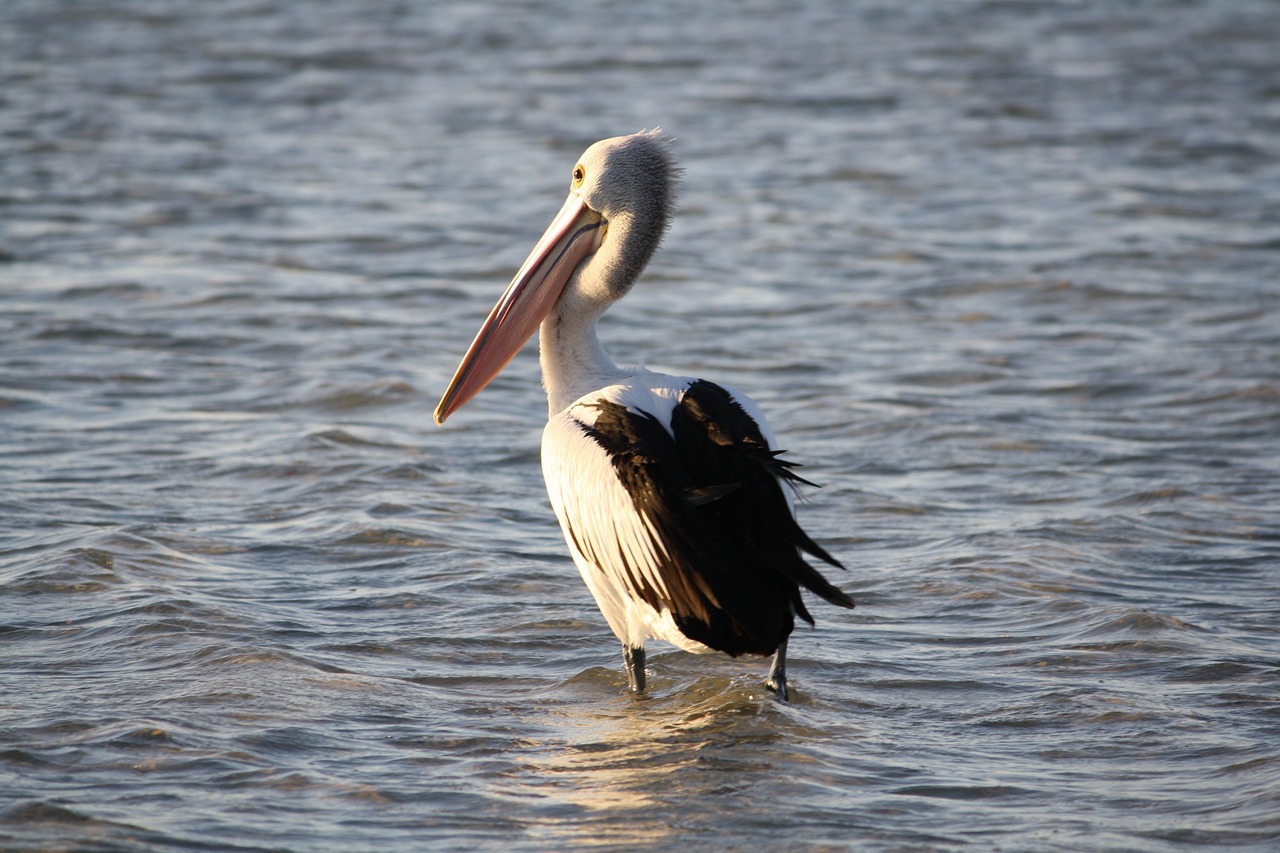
(574, 234)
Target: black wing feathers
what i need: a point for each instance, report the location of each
(723, 443)
(728, 541)
(645, 461)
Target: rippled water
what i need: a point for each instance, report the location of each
(1003, 274)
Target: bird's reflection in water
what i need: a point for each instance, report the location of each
(614, 765)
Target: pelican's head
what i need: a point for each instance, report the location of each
(620, 197)
(629, 181)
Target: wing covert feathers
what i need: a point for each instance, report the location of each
(722, 549)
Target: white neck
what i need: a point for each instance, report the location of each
(573, 361)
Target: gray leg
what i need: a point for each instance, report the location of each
(778, 672)
(634, 657)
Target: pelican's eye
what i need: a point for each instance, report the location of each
(578, 175)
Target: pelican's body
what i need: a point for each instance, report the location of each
(673, 502)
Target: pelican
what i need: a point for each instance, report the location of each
(673, 500)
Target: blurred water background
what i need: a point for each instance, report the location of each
(1004, 275)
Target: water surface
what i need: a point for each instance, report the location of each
(1003, 275)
